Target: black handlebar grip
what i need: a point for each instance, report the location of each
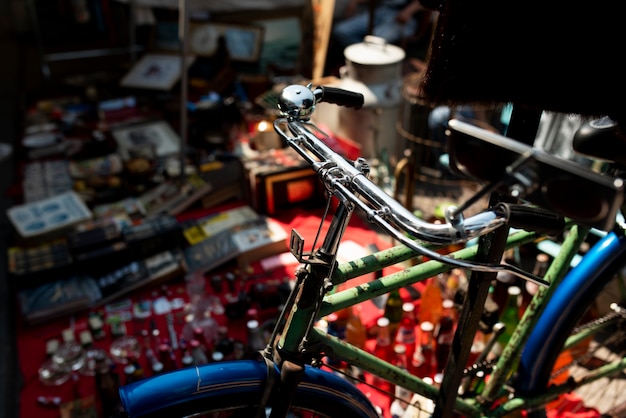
(341, 97)
(535, 219)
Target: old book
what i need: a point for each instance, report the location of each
(150, 271)
(58, 298)
(76, 293)
(205, 227)
(153, 235)
(211, 253)
(246, 242)
(259, 239)
(214, 184)
(51, 256)
(50, 216)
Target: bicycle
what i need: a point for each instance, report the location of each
(288, 378)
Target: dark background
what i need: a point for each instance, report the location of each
(10, 86)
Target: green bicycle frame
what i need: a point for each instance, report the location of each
(340, 349)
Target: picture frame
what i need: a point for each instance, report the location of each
(156, 71)
(157, 135)
(284, 44)
(243, 41)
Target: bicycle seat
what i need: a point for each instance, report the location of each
(601, 138)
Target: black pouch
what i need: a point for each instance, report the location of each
(556, 56)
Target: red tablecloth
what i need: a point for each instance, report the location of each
(32, 339)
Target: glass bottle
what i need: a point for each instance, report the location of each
(225, 343)
(478, 347)
(510, 315)
(443, 335)
(542, 261)
(456, 278)
(197, 352)
(430, 305)
(186, 359)
(448, 309)
(206, 346)
(337, 325)
(356, 332)
(107, 384)
(129, 373)
(423, 357)
(403, 395)
(393, 311)
(406, 332)
(166, 356)
(383, 348)
(155, 364)
(256, 341)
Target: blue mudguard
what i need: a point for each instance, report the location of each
(581, 283)
(243, 379)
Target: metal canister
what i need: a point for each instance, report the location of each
(373, 68)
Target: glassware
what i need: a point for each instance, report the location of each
(356, 332)
(383, 348)
(393, 311)
(195, 285)
(431, 300)
(403, 395)
(71, 354)
(91, 357)
(255, 336)
(510, 315)
(423, 362)
(125, 348)
(52, 373)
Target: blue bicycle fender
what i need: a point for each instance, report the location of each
(241, 377)
(580, 282)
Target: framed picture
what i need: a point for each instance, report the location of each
(155, 71)
(284, 43)
(157, 135)
(242, 41)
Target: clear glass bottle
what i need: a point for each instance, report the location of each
(70, 352)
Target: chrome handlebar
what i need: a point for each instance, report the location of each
(347, 180)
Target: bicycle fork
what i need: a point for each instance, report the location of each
(288, 350)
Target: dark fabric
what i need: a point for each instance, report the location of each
(555, 55)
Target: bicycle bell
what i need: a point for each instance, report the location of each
(297, 101)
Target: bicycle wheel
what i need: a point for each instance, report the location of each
(235, 388)
(578, 304)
